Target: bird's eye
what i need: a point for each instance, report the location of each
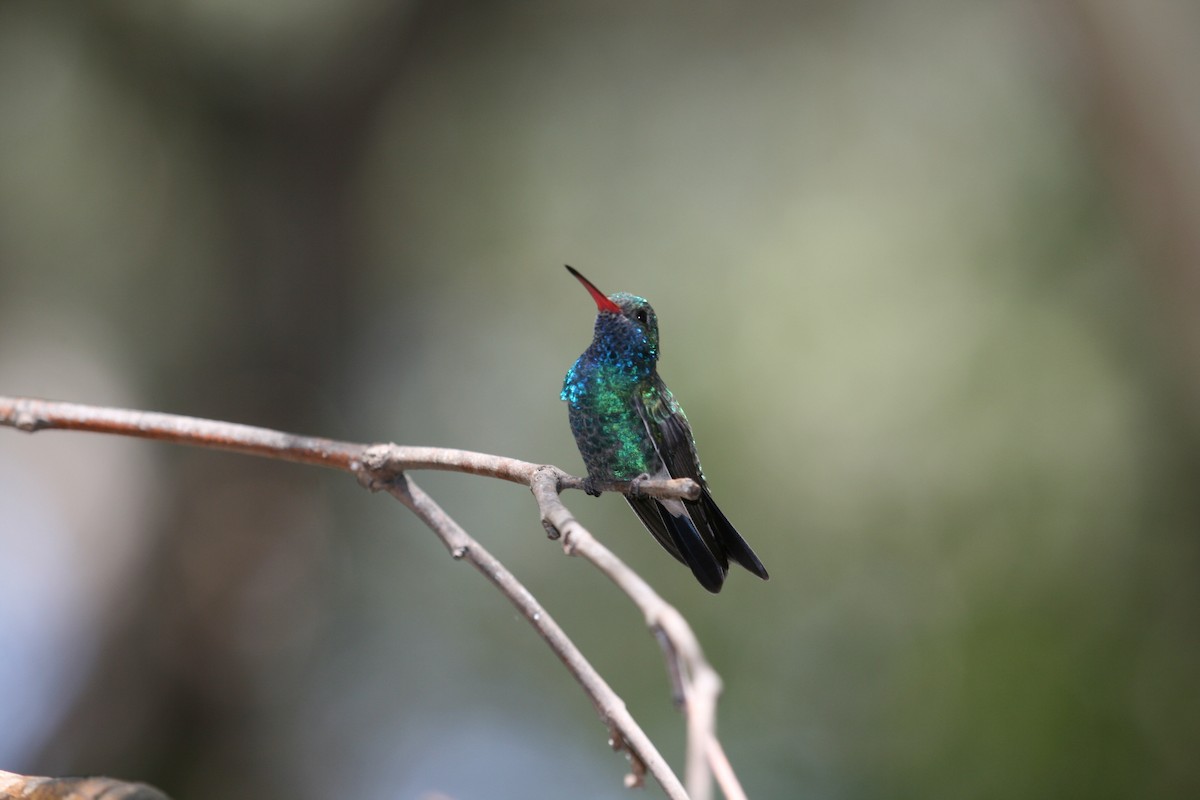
(640, 315)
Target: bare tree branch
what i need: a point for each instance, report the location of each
(25, 786)
(624, 732)
(696, 685)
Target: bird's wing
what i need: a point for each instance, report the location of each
(669, 430)
(690, 534)
(672, 437)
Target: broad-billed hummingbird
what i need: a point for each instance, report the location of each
(629, 427)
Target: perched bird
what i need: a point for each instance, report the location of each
(629, 428)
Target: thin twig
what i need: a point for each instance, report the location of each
(723, 771)
(14, 786)
(695, 684)
(625, 734)
(31, 415)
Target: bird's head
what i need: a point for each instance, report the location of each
(623, 320)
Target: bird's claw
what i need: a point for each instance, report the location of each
(590, 486)
(635, 485)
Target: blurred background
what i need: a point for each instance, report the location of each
(928, 277)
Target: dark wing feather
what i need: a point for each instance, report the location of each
(672, 437)
(735, 546)
(647, 510)
(679, 537)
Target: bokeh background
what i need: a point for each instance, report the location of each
(928, 275)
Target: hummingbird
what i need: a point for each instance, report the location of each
(629, 427)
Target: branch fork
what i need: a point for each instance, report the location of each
(385, 468)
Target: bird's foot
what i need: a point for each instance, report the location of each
(635, 485)
(591, 486)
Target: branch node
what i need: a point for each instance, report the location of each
(569, 544)
(636, 778)
(460, 552)
(553, 470)
(546, 484)
(378, 471)
(25, 419)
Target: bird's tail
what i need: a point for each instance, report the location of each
(730, 540)
(678, 535)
